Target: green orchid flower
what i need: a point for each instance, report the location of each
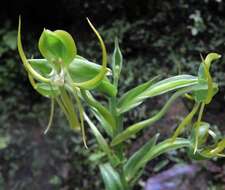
(53, 76)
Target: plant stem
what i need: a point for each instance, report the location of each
(119, 149)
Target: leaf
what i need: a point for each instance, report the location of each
(137, 95)
(111, 178)
(103, 114)
(170, 84)
(135, 128)
(165, 146)
(131, 98)
(104, 123)
(100, 139)
(131, 166)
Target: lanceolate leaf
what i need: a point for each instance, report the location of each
(163, 147)
(102, 112)
(104, 123)
(111, 178)
(170, 84)
(135, 128)
(131, 98)
(137, 95)
(130, 167)
(100, 139)
(156, 150)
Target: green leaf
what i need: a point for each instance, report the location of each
(47, 90)
(165, 146)
(131, 98)
(137, 95)
(41, 66)
(57, 47)
(101, 141)
(170, 84)
(102, 113)
(132, 167)
(111, 178)
(103, 121)
(117, 61)
(135, 128)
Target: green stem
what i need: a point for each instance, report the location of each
(119, 150)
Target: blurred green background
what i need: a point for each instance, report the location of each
(156, 37)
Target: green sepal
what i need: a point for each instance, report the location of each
(204, 76)
(47, 90)
(82, 70)
(41, 66)
(57, 47)
(31, 72)
(201, 94)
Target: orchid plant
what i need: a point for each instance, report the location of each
(69, 80)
